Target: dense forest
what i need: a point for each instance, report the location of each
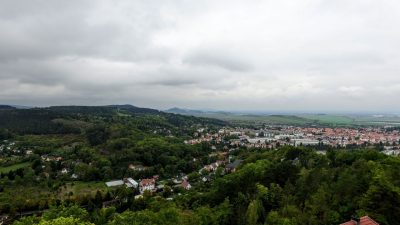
(54, 162)
(287, 186)
(73, 119)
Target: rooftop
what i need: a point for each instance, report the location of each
(114, 183)
(235, 164)
(363, 221)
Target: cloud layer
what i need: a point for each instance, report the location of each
(259, 55)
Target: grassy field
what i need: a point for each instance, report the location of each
(17, 193)
(330, 119)
(51, 141)
(82, 188)
(275, 119)
(256, 119)
(342, 120)
(14, 167)
(309, 119)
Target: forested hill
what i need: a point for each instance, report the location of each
(73, 119)
(6, 107)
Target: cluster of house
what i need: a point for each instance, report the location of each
(152, 184)
(346, 136)
(212, 167)
(47, 158)
(299, 136)
(147, 184)
(137, 167)
(228, 167)
(142, 185)
(391, 150)
(8, 146)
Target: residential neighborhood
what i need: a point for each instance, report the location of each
(275, 136)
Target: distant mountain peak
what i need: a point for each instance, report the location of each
(124, 106)
(184, 111)
(6, 107)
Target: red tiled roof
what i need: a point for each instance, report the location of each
(147, 182)
(185, 183)
(363, 221)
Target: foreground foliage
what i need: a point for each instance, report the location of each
(285, 187)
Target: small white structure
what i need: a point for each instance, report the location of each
(29, 152)
(131, 183)
(392, 152)
(160, 187)
(114, 183)
(138, 196)
(321, 152)
(305, 142)
(137, 167)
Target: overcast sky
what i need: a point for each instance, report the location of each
(306, 55)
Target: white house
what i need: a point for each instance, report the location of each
(147, 184)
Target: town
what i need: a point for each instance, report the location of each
(386, 137)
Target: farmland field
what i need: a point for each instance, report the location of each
(14, 167)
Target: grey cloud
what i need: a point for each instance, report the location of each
(75, 28)
(345, 60)
(218, 58)
(33, 72)
(172, 82)
(226, 54)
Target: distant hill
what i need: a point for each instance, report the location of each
(185, 111)
(318, 119)
(6, 107)
(245, 119)
(72, 119)
(104, 110)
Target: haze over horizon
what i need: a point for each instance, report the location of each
(227, 55)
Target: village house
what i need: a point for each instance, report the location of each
(137, 167)
(147, 185)
(131, 183)
(176, 181)
(64, 171)
(211, 167)
(361, 221)
(231, 167)
(186, 185)
(47, 158)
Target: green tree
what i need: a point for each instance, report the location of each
(64, 221)
(97, 135)
(72, 211)
(274, 218)
(254, 213)
(382, 202)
